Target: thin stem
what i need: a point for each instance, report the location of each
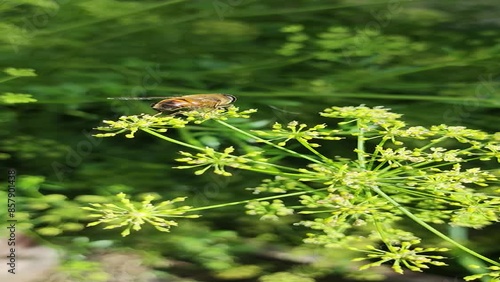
(433, 143)
(247, 201)
(271, 172)
(269, 143)
(382, 235)
(375, 154)
(203, 149)
(361, 147)
(8, 78)
(310, 148)
(171, 139)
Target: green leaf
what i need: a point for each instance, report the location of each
(16, 98)
(20, 72)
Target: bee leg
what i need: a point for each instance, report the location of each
(171, 114)
(174, 113)
(223, 106)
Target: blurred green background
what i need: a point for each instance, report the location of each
(434, 61)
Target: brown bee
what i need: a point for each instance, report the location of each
(188, 102)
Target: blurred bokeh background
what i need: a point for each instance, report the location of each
(433, 61)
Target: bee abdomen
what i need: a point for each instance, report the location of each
(170, 105)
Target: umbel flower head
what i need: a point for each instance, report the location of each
(201, 115)
(300, 132)
(132, 124)
(414, 258)
(132, 215)
(161, 123)
(209, 158)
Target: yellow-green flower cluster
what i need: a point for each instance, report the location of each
(201, 115)
(413, 258)
(366, 117)
(268, 210)
(297, 131)
(493, 275)
(279, 184)
(209, 158)
(132, 124)
(132, 215)
(161, 123)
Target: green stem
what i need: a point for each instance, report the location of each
(247, 201)
(269, 143)
(432, 229)
(270, 172)
(8, 78)
(361, 147)
(308, 146)
(374, 156)
(171, 139)
(433, 143)
(161, 136)
(382, 236)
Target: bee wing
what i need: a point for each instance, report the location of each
(137, 98)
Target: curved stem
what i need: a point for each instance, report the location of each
(161, 136)
(361, 147)
(308, 146)
(247, 201)
(269, 143)
(166, 138)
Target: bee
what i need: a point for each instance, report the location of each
(188, 102)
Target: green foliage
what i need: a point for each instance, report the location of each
(285, 276)
(213, 251)
(16, 98)
(19, 72)
(240, 272)
(80, 270)
(346, 202)
(45, 214)
(28, 147)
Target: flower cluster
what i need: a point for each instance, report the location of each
(413, 258)
(132, 215)
(279, 185)
(218, 161)
(367, 118)
(474, 211)
(493, 274)
(201, 115)
(160, 123)
(348, 176)
(132, 124)
(268, 210)
(297, 131)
